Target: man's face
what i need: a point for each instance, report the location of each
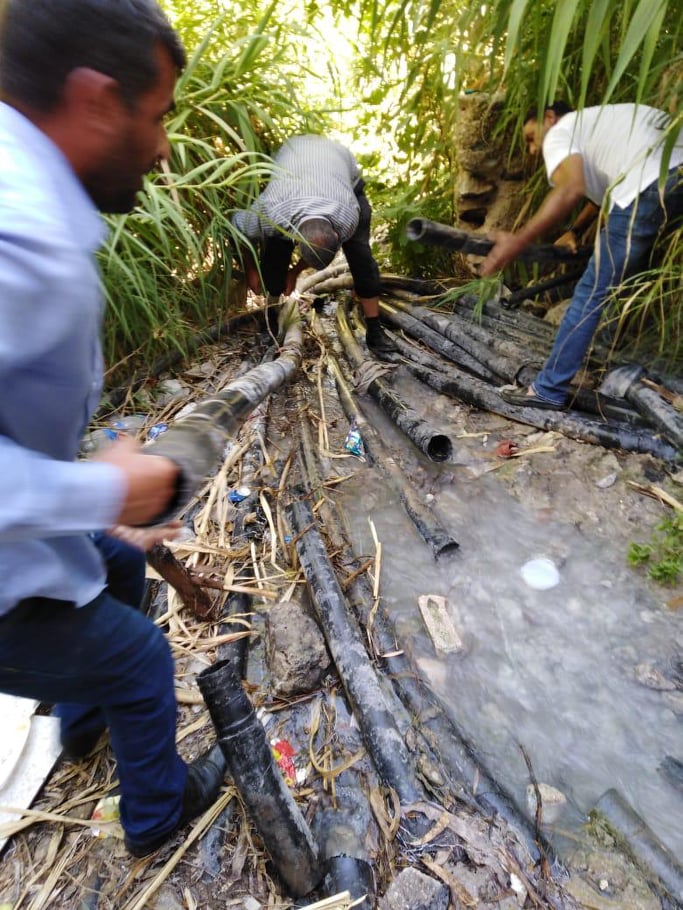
(136, 145)
(534, 132)
(533, 136)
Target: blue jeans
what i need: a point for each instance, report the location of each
(623, 247)
(106, 664)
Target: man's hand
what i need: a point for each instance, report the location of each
(146, 538)
(292, 275)
(150, 480)
(506, 246)
(568, 190)
(254, 279)
(568, 240)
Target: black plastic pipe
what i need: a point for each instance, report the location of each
(612, 436)
(416, 328)
(115, 396)
(381, 736)
(644, 845)
(625, 380)
(432, 233)
(436, 445)
(500, 367)
(196, 442)
(250, 760)
(345, 862)
(463, 771)
(535, 290)
(427, 526)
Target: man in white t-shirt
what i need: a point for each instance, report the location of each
(611, 155)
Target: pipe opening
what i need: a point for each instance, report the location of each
(439, 448)
(415, 228)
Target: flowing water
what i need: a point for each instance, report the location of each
(550, 670)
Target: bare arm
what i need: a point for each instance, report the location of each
(568, 190)
(583, 220)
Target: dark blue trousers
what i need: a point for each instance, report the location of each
(106, 664)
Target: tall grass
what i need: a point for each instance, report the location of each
(168, 266)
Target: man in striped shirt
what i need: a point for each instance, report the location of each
(315, 199)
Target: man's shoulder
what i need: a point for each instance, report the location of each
(28, 197)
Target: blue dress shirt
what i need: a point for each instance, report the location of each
(50, 374)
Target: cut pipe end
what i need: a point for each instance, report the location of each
(439, 448)
(415, 228)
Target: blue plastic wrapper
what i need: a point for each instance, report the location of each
(157, 430)
(239, 494)
(354, 442)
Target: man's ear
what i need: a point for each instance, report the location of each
(94, 100)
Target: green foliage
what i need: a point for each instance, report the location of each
(481, 289)
(663, 556)
(167, 266)
(258, 74)
(645, 315)
(395, 207)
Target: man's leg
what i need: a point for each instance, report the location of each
(108, 655)
(81, 726)
(366, 279)
(275, 259)
(623, 247)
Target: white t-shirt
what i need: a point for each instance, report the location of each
(621, 147)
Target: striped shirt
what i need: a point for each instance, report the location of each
(313, 177)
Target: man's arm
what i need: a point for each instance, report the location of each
(251, 271)
(569, 188)
(583, 220)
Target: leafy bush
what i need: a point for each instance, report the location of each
(663, 556)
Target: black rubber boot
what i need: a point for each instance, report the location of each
(376, 338)
(204, 778)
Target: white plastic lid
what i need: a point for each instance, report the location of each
(540, 573)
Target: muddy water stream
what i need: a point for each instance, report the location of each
(552, 670)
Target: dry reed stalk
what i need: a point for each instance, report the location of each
(341, 901)
(139, 901)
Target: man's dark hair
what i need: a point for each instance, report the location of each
(42, 41)
(318, 242)
(558, 107)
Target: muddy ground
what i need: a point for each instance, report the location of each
(460, 857)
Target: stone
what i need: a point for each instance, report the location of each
(553, 802)
(296, 654)
(413, 890)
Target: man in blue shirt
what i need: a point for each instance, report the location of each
(86, 85)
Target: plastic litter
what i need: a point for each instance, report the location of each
(284, 756)
(157, 430)
(107, 812)
(130, 425)
(540, 573)
(354, 442)
(239, 494)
